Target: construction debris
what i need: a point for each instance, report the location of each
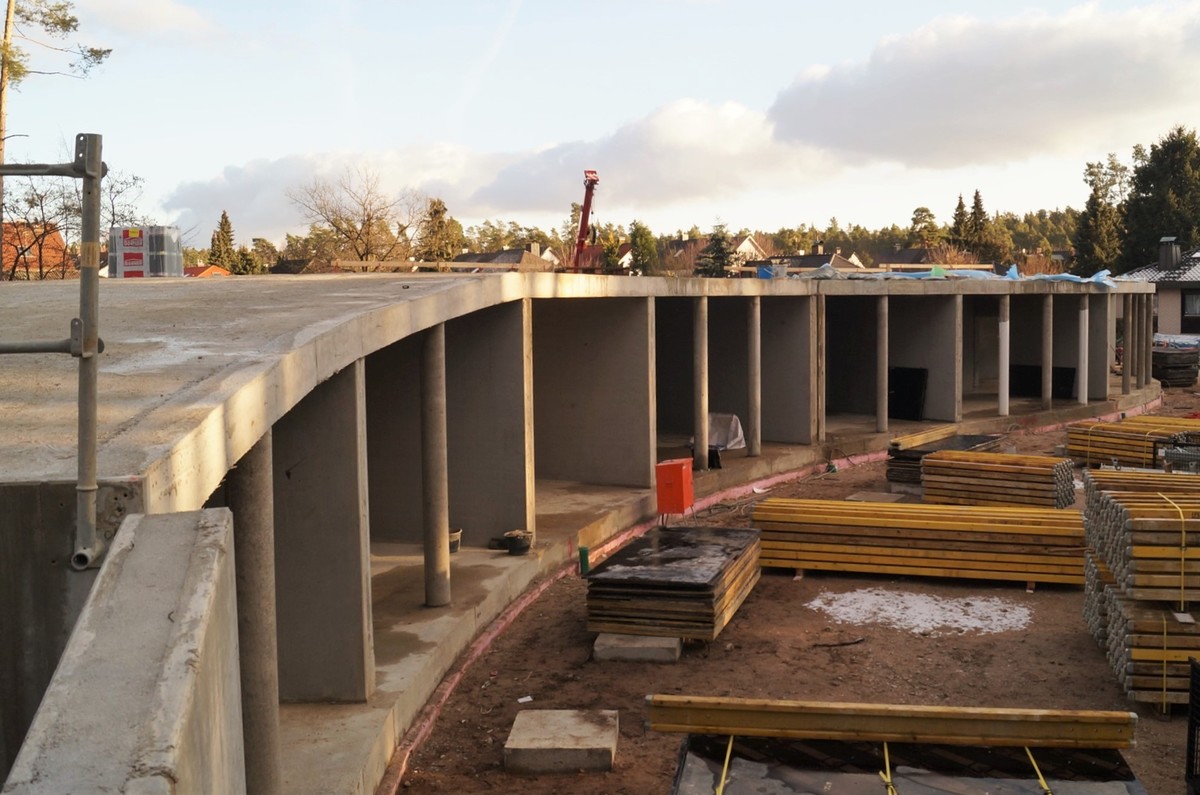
(906, 452)
(976, 542)
(956, 477)
(1175, 366)
(683, 582)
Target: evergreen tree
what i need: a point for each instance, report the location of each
(643, 251)
(1164, 197)
(977, 223)
(439, 237)
(221, 251)
(924, 231)
(719, 256)
(1098, 239)
(958, 227)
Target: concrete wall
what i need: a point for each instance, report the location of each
(850, 329)
(394, 441)
(156, 648)
(673, 364)
(1170, 310)
(322, 561)
(489, 393)
(926, 332)
(593, 382)
(789, 370)
(728, 357)
(40, 594)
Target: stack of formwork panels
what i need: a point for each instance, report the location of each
(1133, 441)
(1143, 528)
(959, 477)
(972, 542)
(1175, 366)
(684, 582)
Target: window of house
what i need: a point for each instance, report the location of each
(1191, 304)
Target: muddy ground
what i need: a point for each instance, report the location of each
(781, 645)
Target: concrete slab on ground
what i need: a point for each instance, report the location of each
(611, 647)
(562, 741)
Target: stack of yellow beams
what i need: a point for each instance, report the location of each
(973, 542)
(820, 720)
(1129, 442)
(1144, 527)
(959, 477)
(1148, 648)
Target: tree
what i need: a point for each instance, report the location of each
(924, 231)
(22, 21)
(643, 249)
(439, 238)
(369, 224)
(716, 260)
(1098, 236)
(33, 244)
(960, 225)
(220, 250)
(1164, 197)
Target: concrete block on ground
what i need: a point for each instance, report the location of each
(611, 647)
(561, 741)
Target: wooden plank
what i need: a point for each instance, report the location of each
(891, 722)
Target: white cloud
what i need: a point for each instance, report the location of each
(685, 151)
(961, 91)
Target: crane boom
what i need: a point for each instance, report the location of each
(590, 179)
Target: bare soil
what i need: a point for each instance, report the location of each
(777, 646)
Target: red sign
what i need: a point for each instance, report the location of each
(131, 238)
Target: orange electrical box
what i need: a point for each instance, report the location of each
(674, 485)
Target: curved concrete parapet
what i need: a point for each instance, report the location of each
(146, 697)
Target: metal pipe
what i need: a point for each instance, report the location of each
(45, 346)
(88, 545)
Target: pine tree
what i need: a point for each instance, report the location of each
(1098, 239)
(221, 251)
(718, 256)
(958, 227)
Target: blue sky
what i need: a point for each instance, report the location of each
(759, 113)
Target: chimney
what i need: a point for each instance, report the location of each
(820, 248)
(896, 248)
(1168, 254)
(838, 251)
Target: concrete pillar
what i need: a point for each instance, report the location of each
(754, 376)
(1004, 365)
(1147, 339)
(1081, 363)
(881, 364)
(435, 499)
(322, 544)
(700, 382)
(822, 367)
(1134, 345)
(250, 495)
(1126, 347)
(1047, 349)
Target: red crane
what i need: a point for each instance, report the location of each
(589, 187)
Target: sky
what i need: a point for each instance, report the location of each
(756, 113)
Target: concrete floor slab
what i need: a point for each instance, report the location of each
(611, 647)
(561, 741)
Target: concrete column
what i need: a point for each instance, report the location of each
(1126, 348)
(322, 544)
(1081, 364)
(1147, 339)
(881, 364)
(700, 382)
(1047, 349)
(822, 367)
(1134, 345)
(250, 495)
(1004, 365)
(754, 376)
(435, 499)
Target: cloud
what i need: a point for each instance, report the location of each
(255, 193)
(963, 91)
(685, 151)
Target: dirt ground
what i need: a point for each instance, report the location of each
(780, 646)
